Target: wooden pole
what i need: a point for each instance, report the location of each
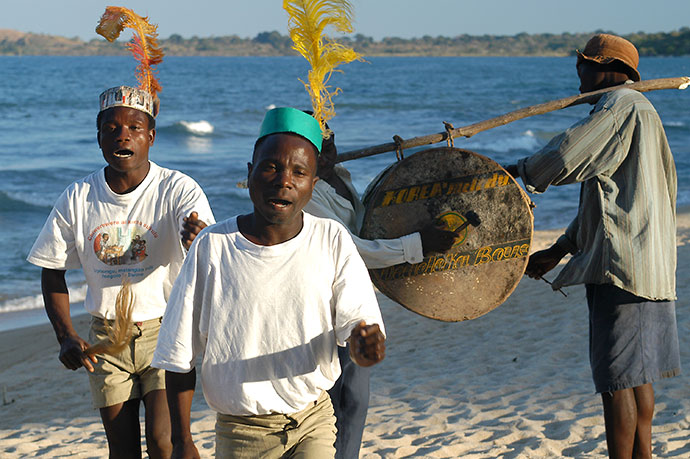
(472, 129)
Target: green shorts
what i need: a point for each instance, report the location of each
(127, 375)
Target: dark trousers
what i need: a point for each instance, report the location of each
(350, 398)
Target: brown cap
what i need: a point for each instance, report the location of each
(604, 48)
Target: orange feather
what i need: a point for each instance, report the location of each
(144, 45)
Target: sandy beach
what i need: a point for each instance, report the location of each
(514, 383)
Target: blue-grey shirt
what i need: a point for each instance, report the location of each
(625, 230)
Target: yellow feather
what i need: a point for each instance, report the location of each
(306, 24)
(144, 45)
(120, 331)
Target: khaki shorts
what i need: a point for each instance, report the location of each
(127, 375)
(309, 433)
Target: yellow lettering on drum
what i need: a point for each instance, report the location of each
(466, 187)
(387, 198)
(439, 264)
(490, 183)
(429, 268)
(515, 253)
(401, 196)
(483, 256)
(460, 260)
(503, 180)
(524, 250)
(424, 194)
(413, 194)
(498, 254)
(436, 190)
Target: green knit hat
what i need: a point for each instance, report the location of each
(287, 119)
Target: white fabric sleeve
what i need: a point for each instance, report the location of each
(354, 296)
(191, 198)
(376, 253)
(180, 339)
(55, 247)
(381, 253)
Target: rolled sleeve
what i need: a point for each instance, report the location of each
(412, 248)
(381, 253)
(589, 148)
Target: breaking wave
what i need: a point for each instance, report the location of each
(196, 128)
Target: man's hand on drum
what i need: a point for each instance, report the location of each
(544, 261)
(436, 239)
(512, 169)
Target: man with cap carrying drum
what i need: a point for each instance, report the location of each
(267, 297)
(121, 222)
(622, 240)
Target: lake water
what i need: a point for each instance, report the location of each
(211, 109)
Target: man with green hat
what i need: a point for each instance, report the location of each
(622, 241)
(267, 297)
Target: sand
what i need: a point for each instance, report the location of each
(514, 383)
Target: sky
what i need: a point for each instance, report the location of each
(374, 18)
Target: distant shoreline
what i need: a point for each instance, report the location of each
(674, 43)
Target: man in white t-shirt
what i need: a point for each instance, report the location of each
(267, 297)
(122, 221)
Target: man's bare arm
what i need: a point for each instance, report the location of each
(180, 393)
(56, 301)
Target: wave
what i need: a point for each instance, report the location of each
(196, 128)
(528, 140)
(25, 200)
(674, 124)
(26, 303)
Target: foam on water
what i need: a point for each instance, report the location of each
(22, 199)
(526, 141)
(674, 124)
(76, 295)
(201, 127)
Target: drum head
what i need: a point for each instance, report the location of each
(455, 188)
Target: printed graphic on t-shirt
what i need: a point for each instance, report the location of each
(121, 243)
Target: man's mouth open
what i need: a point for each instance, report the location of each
(123, 153)
(279, 203)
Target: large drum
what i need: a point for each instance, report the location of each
(459, 189)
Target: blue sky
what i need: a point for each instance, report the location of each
(376, 18)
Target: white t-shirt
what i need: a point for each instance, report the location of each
(266, 317)
(112, 235)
